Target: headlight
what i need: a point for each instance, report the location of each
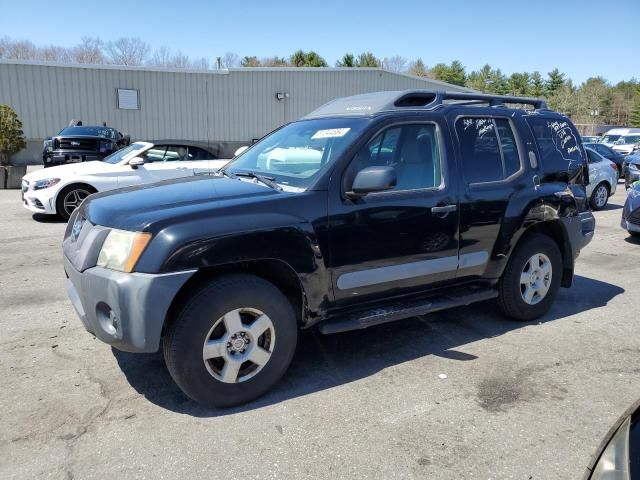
(46, 144)
(122, 249)
(45, 183)
(633, 166)
(105, 146)
(614, 461)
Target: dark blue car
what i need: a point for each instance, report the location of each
(631, 211)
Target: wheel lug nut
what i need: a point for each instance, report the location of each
(246, 340)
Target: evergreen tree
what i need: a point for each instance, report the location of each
(301, 58)
(634, 116)
(555, 81)
(368, 59)
(537, 85)
(348, 60)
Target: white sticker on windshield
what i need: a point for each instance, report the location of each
(330, 133)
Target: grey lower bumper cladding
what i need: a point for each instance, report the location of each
(125, 310)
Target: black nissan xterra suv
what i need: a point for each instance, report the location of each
(371, 209)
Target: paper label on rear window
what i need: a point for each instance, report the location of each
(330, 133)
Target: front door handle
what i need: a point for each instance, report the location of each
(444, 209)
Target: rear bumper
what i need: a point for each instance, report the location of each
(580, 231)
(125, 310)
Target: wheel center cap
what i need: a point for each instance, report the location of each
(237, 344)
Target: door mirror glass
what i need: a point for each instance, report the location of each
(240, 150)
(373, 179)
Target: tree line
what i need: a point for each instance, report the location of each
(593, 101)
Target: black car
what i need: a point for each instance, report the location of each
(609, 154)
(82, 143)
(631, 211)
(371, 209)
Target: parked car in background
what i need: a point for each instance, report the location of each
(623, 140)
(590, 139)
(631, 169)
(371, 209)
(82, 143)
(59, 190)
(631, 210)
(603, 178)
(610, 154)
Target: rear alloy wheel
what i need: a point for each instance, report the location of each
(231, 341)
(70, 199)
(599, 197)
(531, 279)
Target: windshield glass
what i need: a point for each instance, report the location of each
(610, 138)
(628, 140)
(89, 131)
(117, 157)
(295, 154)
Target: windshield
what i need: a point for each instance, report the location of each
(295, 154)
(89, 131)
(120, 154)
(628, 140)
(610, 138)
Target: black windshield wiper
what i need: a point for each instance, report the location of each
(224, 173)
(268, 181)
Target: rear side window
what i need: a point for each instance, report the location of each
(488, 147)
(196, 153)
(558, 144)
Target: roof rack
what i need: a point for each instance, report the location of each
(370, 103)
(492, 100)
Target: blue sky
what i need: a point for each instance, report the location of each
(581, 38)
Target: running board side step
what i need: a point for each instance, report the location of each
(399, 311)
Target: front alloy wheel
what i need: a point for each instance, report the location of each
(239, 345)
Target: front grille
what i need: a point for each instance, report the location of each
(77, 144)
(634, 218)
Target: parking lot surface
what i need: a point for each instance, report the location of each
(461, 394)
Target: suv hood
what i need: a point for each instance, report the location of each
(69, 170)
(150, 207)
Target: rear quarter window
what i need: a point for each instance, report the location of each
(562, 157)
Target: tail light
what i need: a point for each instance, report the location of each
(614, 166)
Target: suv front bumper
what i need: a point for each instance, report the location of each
(52, 158)
(125, 310)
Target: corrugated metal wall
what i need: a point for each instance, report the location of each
(237, 105)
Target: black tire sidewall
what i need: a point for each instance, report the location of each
(185, 338)
(63, 193)
(510, 297)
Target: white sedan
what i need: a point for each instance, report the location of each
(59, 190)
(603, 178)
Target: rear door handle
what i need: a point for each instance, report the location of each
(444, 209)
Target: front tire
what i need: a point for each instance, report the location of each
(531, 279)
(232, 341)
(599, 196)
(70, 198)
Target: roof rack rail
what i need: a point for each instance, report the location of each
(492, 100)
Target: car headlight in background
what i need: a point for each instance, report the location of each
(105, 146)
(122, 249)
(45, 183)
(47, 144)
(613, 464)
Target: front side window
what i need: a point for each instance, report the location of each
(155, 154)
(295, 154)
(488, 147)
(412, 150)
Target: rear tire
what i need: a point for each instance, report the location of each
(599, 196)
(70, 198)
(232, 340)
(535, 266)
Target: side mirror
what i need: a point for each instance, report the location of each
(373, 179)
(135, 162)
(240, 150)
